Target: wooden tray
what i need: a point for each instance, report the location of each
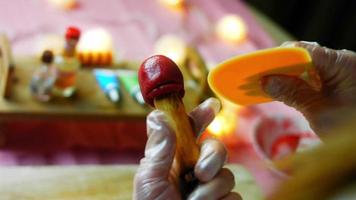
(90, 101)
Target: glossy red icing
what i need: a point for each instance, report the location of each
(158, 77)
(72, 33)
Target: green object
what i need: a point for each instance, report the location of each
(129, 80)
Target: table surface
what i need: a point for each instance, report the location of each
(91, 183)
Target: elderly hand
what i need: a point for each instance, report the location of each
(331, 105)
(155, 177)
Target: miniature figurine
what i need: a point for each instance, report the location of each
(44, 78)
(67, 65)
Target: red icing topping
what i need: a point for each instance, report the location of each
(158, 77)
(72, 33)
(285, 144)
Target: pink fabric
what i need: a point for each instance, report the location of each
(134, 25)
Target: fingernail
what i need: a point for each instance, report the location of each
(194, 196)
(310, 42)
(288, 44)
(207, 149)
(203, 162)
(271, 85)
(212, 103)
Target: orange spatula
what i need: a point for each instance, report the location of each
(239, 79)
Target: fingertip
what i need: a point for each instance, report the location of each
(307, 43)
(288, 44)
(217, 188)
(205, 113)
(313, 48)
(271, 85)
(229, 176)
(213, 156)
(232, 196)
(212, 103)
(303, 44)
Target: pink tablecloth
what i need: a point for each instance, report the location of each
(135, 25)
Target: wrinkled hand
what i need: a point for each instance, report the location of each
(331, 105)
(155, 177)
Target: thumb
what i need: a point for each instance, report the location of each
(291, 90)
(159, 151)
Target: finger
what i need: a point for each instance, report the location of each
(290, 90)
(296, 43)
(217, 188)
(348, 52)
(204, 114)
(213, 155)
(346, 58)
(160, 148)
(232, 196)
(324, 59)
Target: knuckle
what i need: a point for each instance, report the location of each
(228, 176)
(154, 115)
(219, 148)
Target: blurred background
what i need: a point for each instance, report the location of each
(87, 143)
(329, 22)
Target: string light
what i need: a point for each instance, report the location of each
(95, 47)
(231, 28)
(173, 4)
(223, 124)
(173, 47)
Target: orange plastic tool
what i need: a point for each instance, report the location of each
(238, 79)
